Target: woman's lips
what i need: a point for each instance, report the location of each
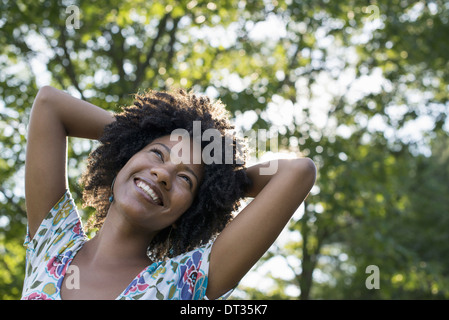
(150, 193)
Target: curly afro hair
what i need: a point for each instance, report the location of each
(156, 114)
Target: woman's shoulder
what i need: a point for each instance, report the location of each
(62, 221)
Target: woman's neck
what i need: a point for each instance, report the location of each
(118, 243)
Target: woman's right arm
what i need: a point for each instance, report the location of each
(55, 115)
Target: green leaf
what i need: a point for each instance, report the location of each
(35, 284)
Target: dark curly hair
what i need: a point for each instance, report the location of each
(156, 114)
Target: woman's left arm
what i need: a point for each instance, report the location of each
(244, 241)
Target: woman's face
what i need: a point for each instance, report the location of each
(155, 187)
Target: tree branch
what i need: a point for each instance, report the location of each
(171, 45)
(69, 67)
(141, 67)
(117, 53)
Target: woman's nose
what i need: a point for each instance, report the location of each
(162, 175)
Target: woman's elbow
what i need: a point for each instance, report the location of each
(43, 95)
(306, 170)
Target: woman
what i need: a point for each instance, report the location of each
(163, 217)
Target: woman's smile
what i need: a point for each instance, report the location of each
(149, 191)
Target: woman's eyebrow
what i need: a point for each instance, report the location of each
(163, 145)
(186, 167)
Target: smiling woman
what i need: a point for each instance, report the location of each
(137, 144)
(165, 227)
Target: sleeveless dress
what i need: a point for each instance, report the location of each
(59, 237)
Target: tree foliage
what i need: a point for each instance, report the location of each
(358, 86)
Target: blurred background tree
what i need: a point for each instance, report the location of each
(358, 86)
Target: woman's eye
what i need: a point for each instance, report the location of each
(186, 178)
(158, 154)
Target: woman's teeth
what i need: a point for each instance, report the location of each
(149, 191)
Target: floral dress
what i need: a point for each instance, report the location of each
(61, 235)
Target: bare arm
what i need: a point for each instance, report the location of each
(243, 242)
(55, 115)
